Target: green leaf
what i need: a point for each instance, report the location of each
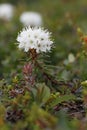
(62, 99)
(41, 93)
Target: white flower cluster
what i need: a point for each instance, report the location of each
(31, 19)
(34, 38)
(6, 11)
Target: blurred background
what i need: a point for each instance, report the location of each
(62, 18)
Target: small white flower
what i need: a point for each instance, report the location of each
(34, 38)
(31, 19)
(71, 58)
(6, 11)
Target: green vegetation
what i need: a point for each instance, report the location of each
(49, 91)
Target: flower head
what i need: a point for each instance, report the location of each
(34, 38)
(31, 19)
(71, 58)
(6, 11)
